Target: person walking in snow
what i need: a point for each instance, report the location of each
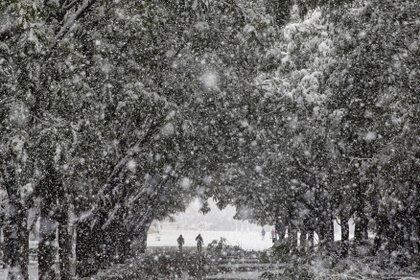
(263, 233)
(200, 242)
(181, 242)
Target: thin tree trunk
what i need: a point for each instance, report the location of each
(143, 240)
(330, 234)
(64, 238)
(377, 242)
(126, 251)
(311, 236)
(326, 234)
(358, 227)
(302, 240)
(360, 221)
(365, 228)
(345, 235)
(280, 229)
(46, 247)
(293, 238)
(24, 243)
(321, 236)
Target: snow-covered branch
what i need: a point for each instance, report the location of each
(70, 22)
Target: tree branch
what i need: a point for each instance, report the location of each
(65, 28)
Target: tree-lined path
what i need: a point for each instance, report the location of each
(115, 114)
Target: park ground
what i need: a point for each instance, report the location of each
(241, 255)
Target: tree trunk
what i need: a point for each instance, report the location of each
(16, 244)
(359, 227)
(24, 243)
(126, 251)
(88, 247)
(311, 235)
(330, 234)
(416, 230)
(280, 229)
(83, 249)
(377, 242)
(112, 240)
(15, 231)
(303, 240)
(326, 234)
(48, 226)
(46, 248)
(293, 238)
(345, 235)
(143, 240)
(64, 238)
(360, 221)
(321, 236)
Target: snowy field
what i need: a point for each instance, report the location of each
(246, 240)
(249, 240)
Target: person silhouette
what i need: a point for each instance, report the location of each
(181, 242)
(200, 242)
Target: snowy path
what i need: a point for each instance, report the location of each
(240, 275)
(245, 268)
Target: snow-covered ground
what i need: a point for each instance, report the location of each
(249, 240)
(33, 272)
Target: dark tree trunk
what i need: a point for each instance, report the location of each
(280, 229)
(64, 238)
(46, 247)
(326, 234)
(143, 240)
(345, 235)
(365, 229)
(24, 243)
(48, 225)
(330, 234)
(417, 232)
(16, 239)
(15, 232)
(302, 240)
(84, 249)
(293, 240)
(89, 245)
(360, 221)
(360, 227)
(321, 236)
(311, 235)
(113, 238)
(378, 241)
(125, 248)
